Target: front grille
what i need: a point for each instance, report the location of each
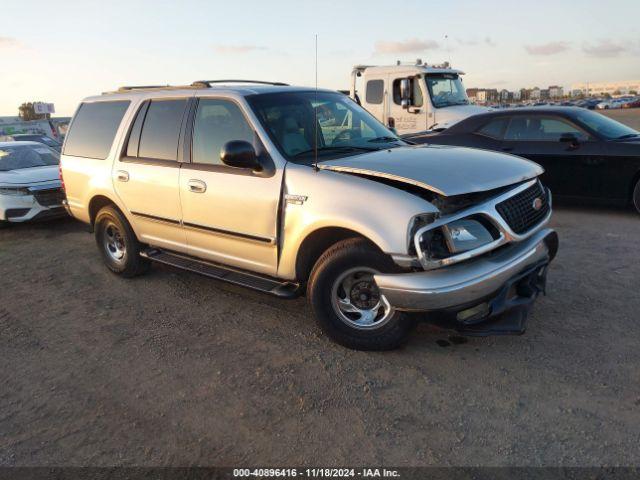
(519, 212)
(49, 198)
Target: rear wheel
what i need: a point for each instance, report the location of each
(636, 196)
(118, 244)
(346, 301)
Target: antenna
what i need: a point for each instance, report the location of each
(446, 41)
(315, 111)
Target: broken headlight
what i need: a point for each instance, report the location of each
(465, 234)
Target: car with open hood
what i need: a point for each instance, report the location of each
(294, 191)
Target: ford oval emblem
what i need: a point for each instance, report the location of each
(537, 204)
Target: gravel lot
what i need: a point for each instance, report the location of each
(177, 369)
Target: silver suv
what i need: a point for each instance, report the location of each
(289, 190)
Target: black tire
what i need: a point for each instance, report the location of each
(118, 244)
(343, 257)
(636, 196)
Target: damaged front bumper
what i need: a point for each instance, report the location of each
(491, 294)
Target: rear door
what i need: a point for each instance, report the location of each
(571, 168)
(146, 175)
(230, 215)
(375, 95)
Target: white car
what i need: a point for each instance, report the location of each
(30, 187)
(612, 104)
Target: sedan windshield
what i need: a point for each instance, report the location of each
(605, 126)
(446, 90)
(301, 123)
(27, 156)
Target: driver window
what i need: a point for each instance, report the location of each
(414, 84)
(217, 122)
(538, 128)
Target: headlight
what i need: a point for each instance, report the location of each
(465, 234)
(449, 243)
(14, 191)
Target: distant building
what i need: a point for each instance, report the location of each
(517, 95)
(505, 95)
(544, 94)
(556, 91)
(472, 93)
(534, 94)
(612, 88)
(481, 96)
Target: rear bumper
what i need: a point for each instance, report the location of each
(506, 279)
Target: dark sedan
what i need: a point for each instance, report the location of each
(37, 137)
(585, 154)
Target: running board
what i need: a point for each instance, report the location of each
(227, 274)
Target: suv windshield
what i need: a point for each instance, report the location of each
(446, 90)
(342, 127)
(27, 156)
(605, 126)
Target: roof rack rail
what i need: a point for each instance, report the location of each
(208, 83)
(126, 88)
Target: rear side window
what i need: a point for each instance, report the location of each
(94, 128)
(495, 128)
(375, 91)
(161, 129)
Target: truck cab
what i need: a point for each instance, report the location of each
(413, 98)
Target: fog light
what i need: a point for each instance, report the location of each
(474, 313)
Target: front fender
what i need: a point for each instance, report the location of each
(374, 210)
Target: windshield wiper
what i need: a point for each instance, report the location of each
(384, 139)
(628, 135)
(338, 148)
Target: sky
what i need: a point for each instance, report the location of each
(63, 51)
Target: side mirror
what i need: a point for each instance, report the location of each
(405, 93)
(240, 154)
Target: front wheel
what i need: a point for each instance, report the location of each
(346, 301)
(636, 196)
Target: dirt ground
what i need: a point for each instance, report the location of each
(176, 369)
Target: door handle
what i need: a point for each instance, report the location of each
(122, 176)
(197, 186)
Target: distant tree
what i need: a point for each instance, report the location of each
(633, 92)
(607, 95)
(617, 92)
(27, 111)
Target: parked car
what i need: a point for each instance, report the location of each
(239, 182)
(585, 154)
(632, 104)
(37, 137)
(29, 183)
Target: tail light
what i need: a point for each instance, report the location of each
(60, 176)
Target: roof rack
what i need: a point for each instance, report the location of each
(194, 85)
(208, 83)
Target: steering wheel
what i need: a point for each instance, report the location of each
(344, 135)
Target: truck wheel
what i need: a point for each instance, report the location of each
(347, 303)
(636, 196)
(118, 244)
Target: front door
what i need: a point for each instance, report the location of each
(414, 118)
(229, 214)
(146, 176)
(571, 167)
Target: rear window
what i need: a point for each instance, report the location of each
(93, 129)
(495, 128)
(375, 91)
(27, 156)
(161, 129)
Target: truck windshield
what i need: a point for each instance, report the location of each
(446, 90)
(342, 127)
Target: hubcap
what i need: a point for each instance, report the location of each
(357, 300)
(113, 242)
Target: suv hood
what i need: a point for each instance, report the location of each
(442, 169)
(447, 116)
